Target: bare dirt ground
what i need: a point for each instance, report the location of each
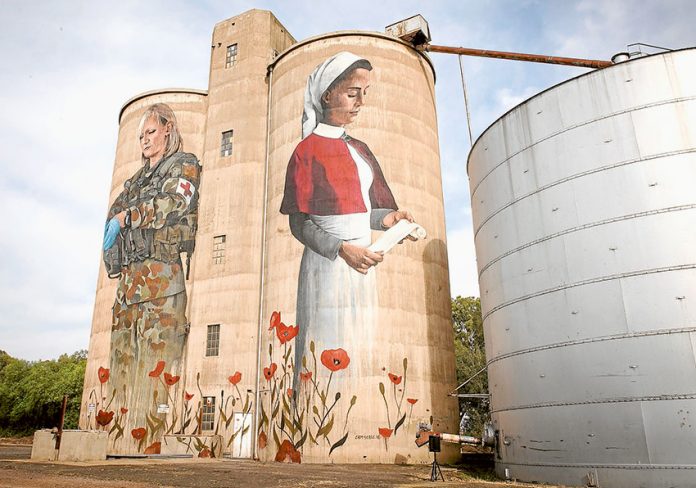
(16, 470)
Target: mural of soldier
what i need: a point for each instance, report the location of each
(335, 195)
(149, 224)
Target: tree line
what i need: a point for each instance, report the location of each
(31, 392)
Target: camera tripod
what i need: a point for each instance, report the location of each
(435, 471)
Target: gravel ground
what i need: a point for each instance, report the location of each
(16, 470)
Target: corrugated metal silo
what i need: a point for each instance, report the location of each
(584, 215)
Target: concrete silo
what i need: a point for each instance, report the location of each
(409, 350)
(190, 107)
(230, 394)
(584, 209)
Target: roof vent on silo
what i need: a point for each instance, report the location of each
(413, 30)
(620, 57)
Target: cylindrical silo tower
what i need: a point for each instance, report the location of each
(190, 107)
(401, 367)
(584, 215)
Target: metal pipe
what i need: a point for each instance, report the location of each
(59, 434)
(259, 330)
(534, 58)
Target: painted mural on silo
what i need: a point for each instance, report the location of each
(149, 225)
(335, 196)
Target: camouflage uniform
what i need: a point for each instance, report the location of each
(149, 323)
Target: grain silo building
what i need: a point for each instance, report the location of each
(242, 390)
(583, 209)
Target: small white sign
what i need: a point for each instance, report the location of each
(162, 408)
(91, 407)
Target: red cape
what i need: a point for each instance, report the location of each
(322, 178)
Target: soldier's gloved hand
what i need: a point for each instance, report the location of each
(111, 230)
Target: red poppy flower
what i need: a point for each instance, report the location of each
(289, 392)
(384, 432)
(188, 396)
(270, 371)
(103, 374)
(335, 359)
(170, 380)
(154, 448)
(286, 333)
(139, 433)
(306, 376)
(287, 453)
(205, 453)
(395, 379)
(157, 371)
(412, 401)
(235, 378)
(275, 320)
(263, 440)
(104, 418)
(124, 410)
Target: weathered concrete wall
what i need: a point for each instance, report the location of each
(198, 446)
(227, 293)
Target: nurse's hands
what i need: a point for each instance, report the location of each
(392, 218)
(361, 259)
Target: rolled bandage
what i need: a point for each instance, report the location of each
(396, 234)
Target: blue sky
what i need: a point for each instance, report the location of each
(68, 67)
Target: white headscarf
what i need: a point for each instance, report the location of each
(317, 83)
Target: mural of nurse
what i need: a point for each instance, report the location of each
(149, 224)
(335, 194)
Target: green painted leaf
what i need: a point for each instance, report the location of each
(326, 429)
(399, 424)
(353, 400)
(405, 365)
(275, 438)
(339, 443)
(302, 440)
(381, 388)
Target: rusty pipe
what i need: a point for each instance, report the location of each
(59, 433)
(534, 58)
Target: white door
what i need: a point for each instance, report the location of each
(241, 445)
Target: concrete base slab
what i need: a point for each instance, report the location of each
(44, 446)
(83, 445)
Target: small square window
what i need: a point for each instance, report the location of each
(219, 249)
(212, 344)
(226, 144)
(231, 57)
(208, 417)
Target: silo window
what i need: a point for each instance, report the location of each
(208, 417)
(226, 145)
(231, 58)
(212, 344)
(219, 249)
